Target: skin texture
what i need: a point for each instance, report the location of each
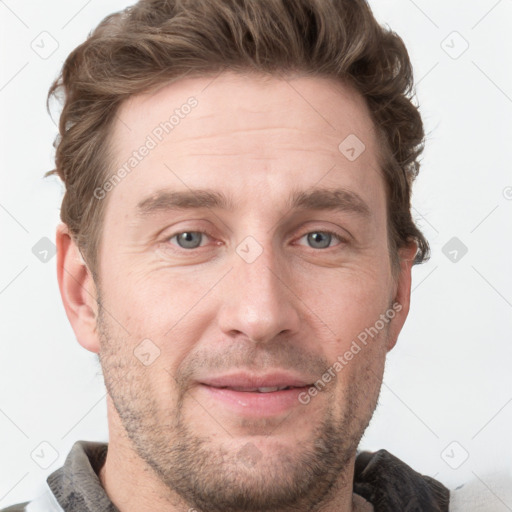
(208, 311)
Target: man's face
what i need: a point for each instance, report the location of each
(254, 294)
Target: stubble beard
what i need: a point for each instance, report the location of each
(214, 477)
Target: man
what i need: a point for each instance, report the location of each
(237, 247)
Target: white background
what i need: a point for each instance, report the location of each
(448, 379)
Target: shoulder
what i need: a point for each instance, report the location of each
(483, 493)
(19, 507)
(44, 502)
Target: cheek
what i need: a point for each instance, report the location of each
(154, 304)
(348, 301)
(352, 309)
(358, 365)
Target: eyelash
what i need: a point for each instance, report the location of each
(341, 239)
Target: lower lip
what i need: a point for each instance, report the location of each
(255, 403)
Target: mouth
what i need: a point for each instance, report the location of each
(257, 396)
(268, 389)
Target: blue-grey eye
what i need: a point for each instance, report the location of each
(189, 239)
(319, 239)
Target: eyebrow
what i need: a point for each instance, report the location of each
(328, 199)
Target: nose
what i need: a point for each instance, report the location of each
(259, 302)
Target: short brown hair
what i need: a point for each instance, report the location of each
(155, 42)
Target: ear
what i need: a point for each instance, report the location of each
(402, 293)
(77, 289)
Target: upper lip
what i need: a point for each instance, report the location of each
(251, 381)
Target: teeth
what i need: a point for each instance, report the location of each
(268, 390)
(261, 390)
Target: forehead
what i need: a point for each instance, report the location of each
(235, 131)
(261, 101)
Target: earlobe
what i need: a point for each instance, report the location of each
(77, 289)
(402, 296)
